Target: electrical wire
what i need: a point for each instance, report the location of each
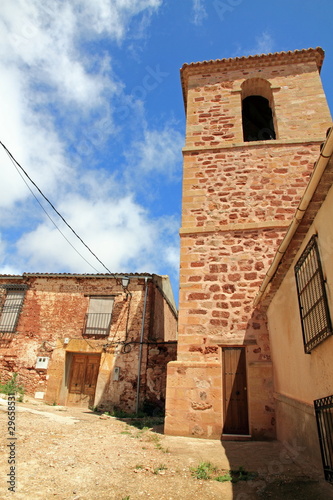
(17, 164)
(50, 218)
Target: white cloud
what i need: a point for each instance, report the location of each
(264, 44)
(199, 12)
(44, 44)
(6, 268)
(9, 270)
(54, 82)
(33, 141)
(158, 152)
(118, 231)
(42, 64)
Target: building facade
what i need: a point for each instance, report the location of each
(88, 340)
(253, 129)
(298, 298)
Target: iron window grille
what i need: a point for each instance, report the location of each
(324, 417)
(312, 298)
(98, 317)
(11, 308)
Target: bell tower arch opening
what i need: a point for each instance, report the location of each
(257, 110)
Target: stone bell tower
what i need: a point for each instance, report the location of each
(253, 130)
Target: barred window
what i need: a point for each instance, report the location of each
(10, 311)
(324, 416)
(312, 298)
(98, 318)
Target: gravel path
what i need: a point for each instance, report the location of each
(71, 453)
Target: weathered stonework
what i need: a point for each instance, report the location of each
(51, 324)
(238, 200)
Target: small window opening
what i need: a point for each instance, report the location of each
(257, 119)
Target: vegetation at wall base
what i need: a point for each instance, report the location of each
(13, 387)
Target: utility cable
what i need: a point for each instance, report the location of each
(17, 164)
(49, 217)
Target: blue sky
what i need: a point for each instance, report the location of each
(92, 108)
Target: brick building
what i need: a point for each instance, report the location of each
(253, 130)
(88, 340)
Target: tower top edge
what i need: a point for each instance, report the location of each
(264, 59)
(246, 62)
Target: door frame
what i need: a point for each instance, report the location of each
(224, 348)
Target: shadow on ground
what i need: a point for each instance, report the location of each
(282, 472)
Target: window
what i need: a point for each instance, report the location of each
(312, 298)
(257, 110)
(98, 318)
(11, 309)
(324, 416)
(257, 119)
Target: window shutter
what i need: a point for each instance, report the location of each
(100, 305)
(99, 315)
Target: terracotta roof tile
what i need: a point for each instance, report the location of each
(257, 57)
(75, 275)
(275, 58)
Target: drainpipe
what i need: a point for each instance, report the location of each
(319, 168)
(141, 346)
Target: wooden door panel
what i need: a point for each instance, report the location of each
(91, 375)
(235, 391)
(83, 379)
(77, 376)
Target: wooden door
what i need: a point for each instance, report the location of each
(83, 379)
(235, 391)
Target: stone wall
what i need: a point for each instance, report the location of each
(213, 93)
(238, 200)
(51, 324)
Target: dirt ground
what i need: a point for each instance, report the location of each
(75, 454)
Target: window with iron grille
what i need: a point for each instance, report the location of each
(11, 309)
(312, 298)
(324, 416)
(98, 317)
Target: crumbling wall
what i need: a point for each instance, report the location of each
(51, 324)
(158, 356)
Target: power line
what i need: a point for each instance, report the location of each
(49, 217)
(17, 164)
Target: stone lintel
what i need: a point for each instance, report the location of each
(254, 144)
(247, 226)
(232, 343)
(194, 364)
